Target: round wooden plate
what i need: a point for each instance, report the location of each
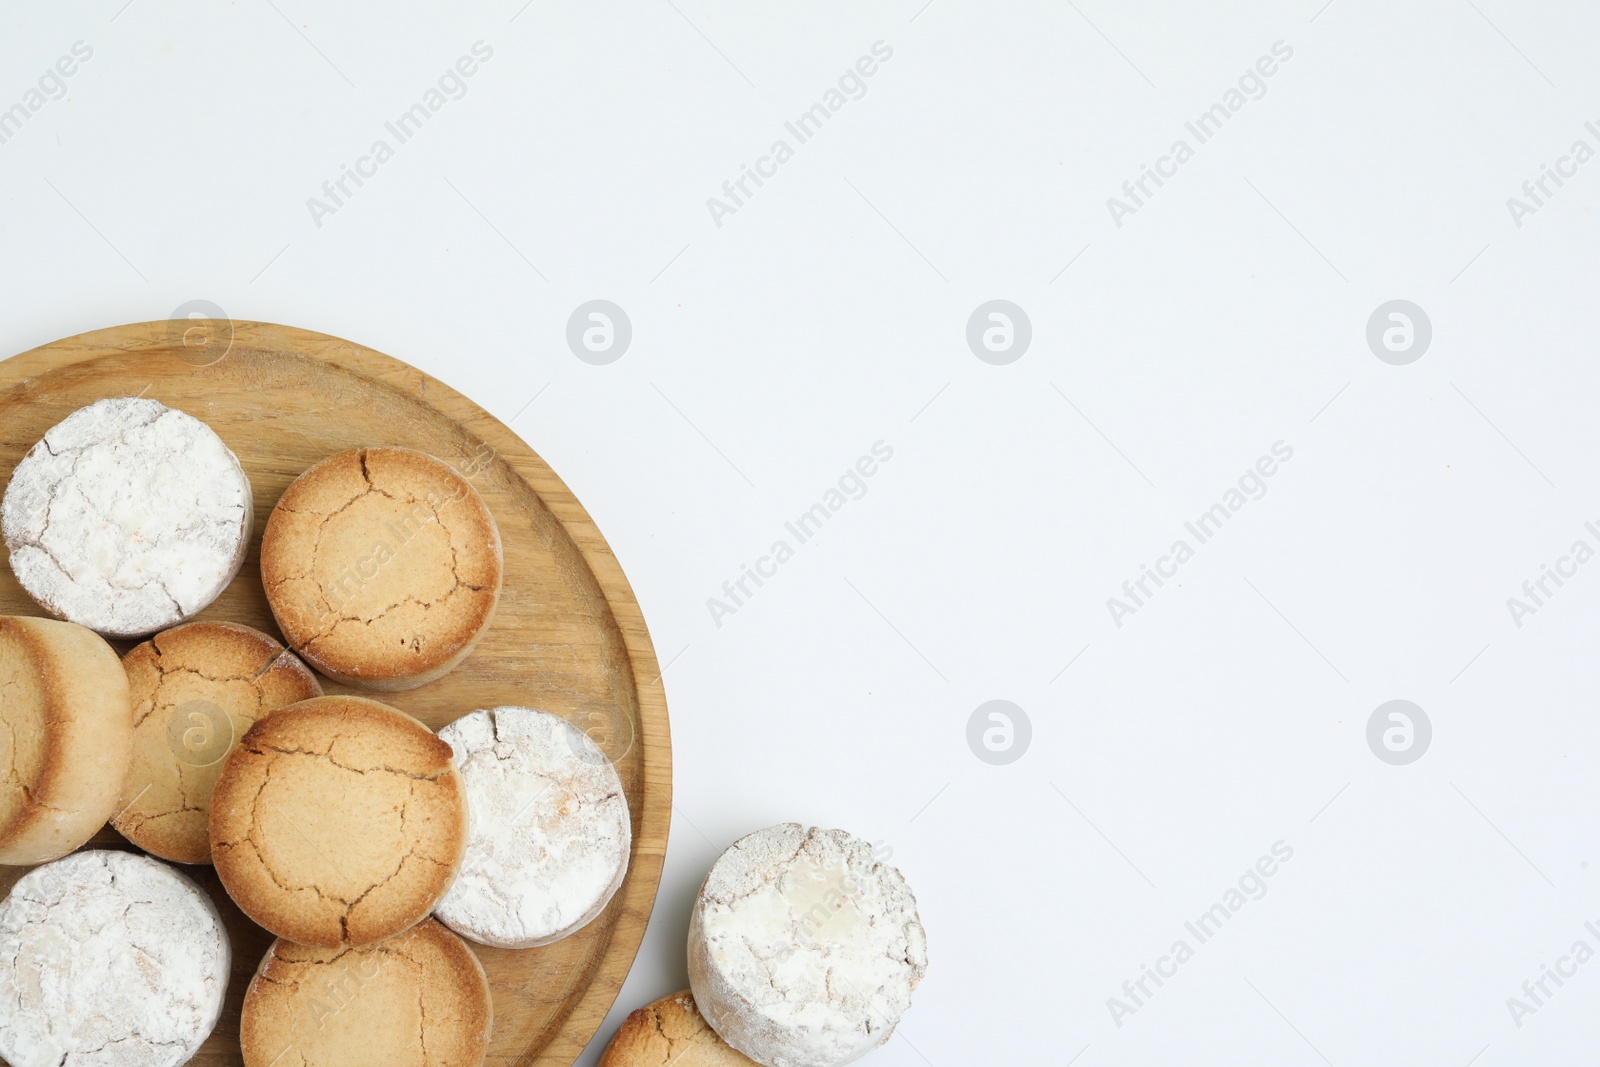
(568, 636)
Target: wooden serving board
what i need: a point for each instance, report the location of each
(568, 636)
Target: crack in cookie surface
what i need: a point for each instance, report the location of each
(197, 689)
(417, 998)
(108, 949)
(353, 817)
(381, 561)
(128, 517)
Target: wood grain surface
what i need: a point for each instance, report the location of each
(568, 636)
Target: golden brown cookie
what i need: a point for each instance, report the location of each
(382, 566)
(670, 1031)
(338, 821)
(66, 733)
(196, 690)
(419, 999)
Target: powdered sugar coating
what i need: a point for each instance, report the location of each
(111, 959)
(803, 948)
(550, 833)
(128, 517)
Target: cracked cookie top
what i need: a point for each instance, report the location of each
(108, 957)
(196, 689)
(420, 998)
(382, 567)
(550, 830)
(128, 517)
(670, 1032)
(338, 821)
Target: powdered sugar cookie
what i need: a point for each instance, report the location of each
(550, 832)
(128, 517)
(803, 948)
(108, 958)
(196, 689)
(66, 731)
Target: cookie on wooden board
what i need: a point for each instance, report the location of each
(129, 517)
(66, 733)
(382, 567)
(419, 999)
(196, 689)
(550, 831)
(338, 821)
(109, 958)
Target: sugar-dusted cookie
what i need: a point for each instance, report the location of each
(108, 958)
(550, 831)
(128, 517)
(803, 948)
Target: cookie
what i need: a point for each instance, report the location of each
(419, 999)
(128, 518)
(66, 740)
(670, 1033)
(196, 689)
(108, 958)
(550, 831)
(382, 567)
(338, 821)
(803, 948)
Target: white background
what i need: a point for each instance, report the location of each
(829, 312)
